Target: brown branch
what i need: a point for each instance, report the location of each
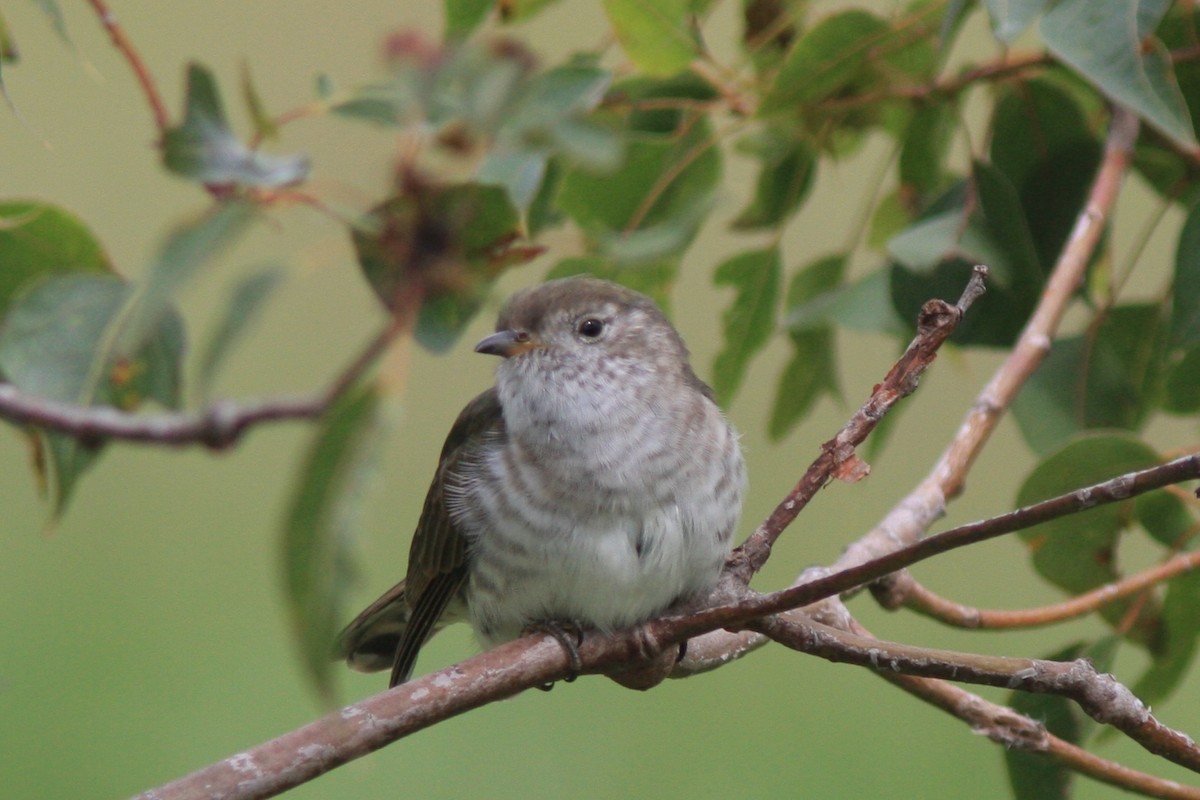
(937, 321)
(218, 427)
(1100, 696)
(915, 596)
(299, 756)
(913, 515)
(115, 32)
(1017, 731)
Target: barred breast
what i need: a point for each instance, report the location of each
(597, 502)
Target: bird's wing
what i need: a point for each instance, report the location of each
(390, 632)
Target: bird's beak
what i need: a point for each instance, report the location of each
(507, 344)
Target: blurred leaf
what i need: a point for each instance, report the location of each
(653, 279)
(1182, 394)
(1042, 143)
(787, 167)
(1182, 627)
(264, 126)
(1185, 291)
(205, 149)
(39, 239)
(1033, 776)
(1164, 516)
(244, 304)
(8, 46)
(960, 229)
(1078, 552)
(1010, 18)
(1101, 380)
(926, 141)
(442, 247)
(55, 343)
(655, 34)
(1121, 56)
(518, 10)
(890, 216)
(550, 119)
(57, 21)
(464, 16)
(671, 169)
(322, 518)
(748, 322)
(812, 369)
(186, 250)
(864, 305)
(827, 58)
(770, 29)
(990, 231)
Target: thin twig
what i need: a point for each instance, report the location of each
(218, 427)
(913, 515)
(1018, 732)
(1100, 696)
(302, 755)
(938, 320)
(924, 601)
(115, 32)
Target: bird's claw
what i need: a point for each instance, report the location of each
(569, 636)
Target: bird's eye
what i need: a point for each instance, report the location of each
(590, 328)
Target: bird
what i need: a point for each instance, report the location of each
(595, 485)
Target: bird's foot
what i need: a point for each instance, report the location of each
(569, 635)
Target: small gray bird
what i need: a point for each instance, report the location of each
(596, 484)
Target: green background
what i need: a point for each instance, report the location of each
(145, 636)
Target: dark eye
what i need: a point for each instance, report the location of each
(590, 328)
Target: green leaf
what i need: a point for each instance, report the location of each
(464, 16)
(205, 149)
(1182, 627)
(864, 305)
(247, 299)
(748, 323)
(55, 343)
(828, 57)
(655, 34)
(812, 369)
(924, 149)
(1010, 18)
(57, 21)
(786, 171)
(1033, 776)
(671, 170)
(185, 251)
(321, 520)
(990, 231)
(518, 10)
(1119, 54)
(1078, 552)
(1164, 516)
(38, 239)
(1185, 291)
(1106, 379)
(1042, 143)
(653, 279)
(443, 245)
(264, 125)
(1182, 394)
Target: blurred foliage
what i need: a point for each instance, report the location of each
(626, 147)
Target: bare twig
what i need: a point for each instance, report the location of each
(115, 32)
(534, 660)
(1018, 732)
(913, 515)
(218, 427)
(937, 321)
(1100, 696)
(924, 601)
